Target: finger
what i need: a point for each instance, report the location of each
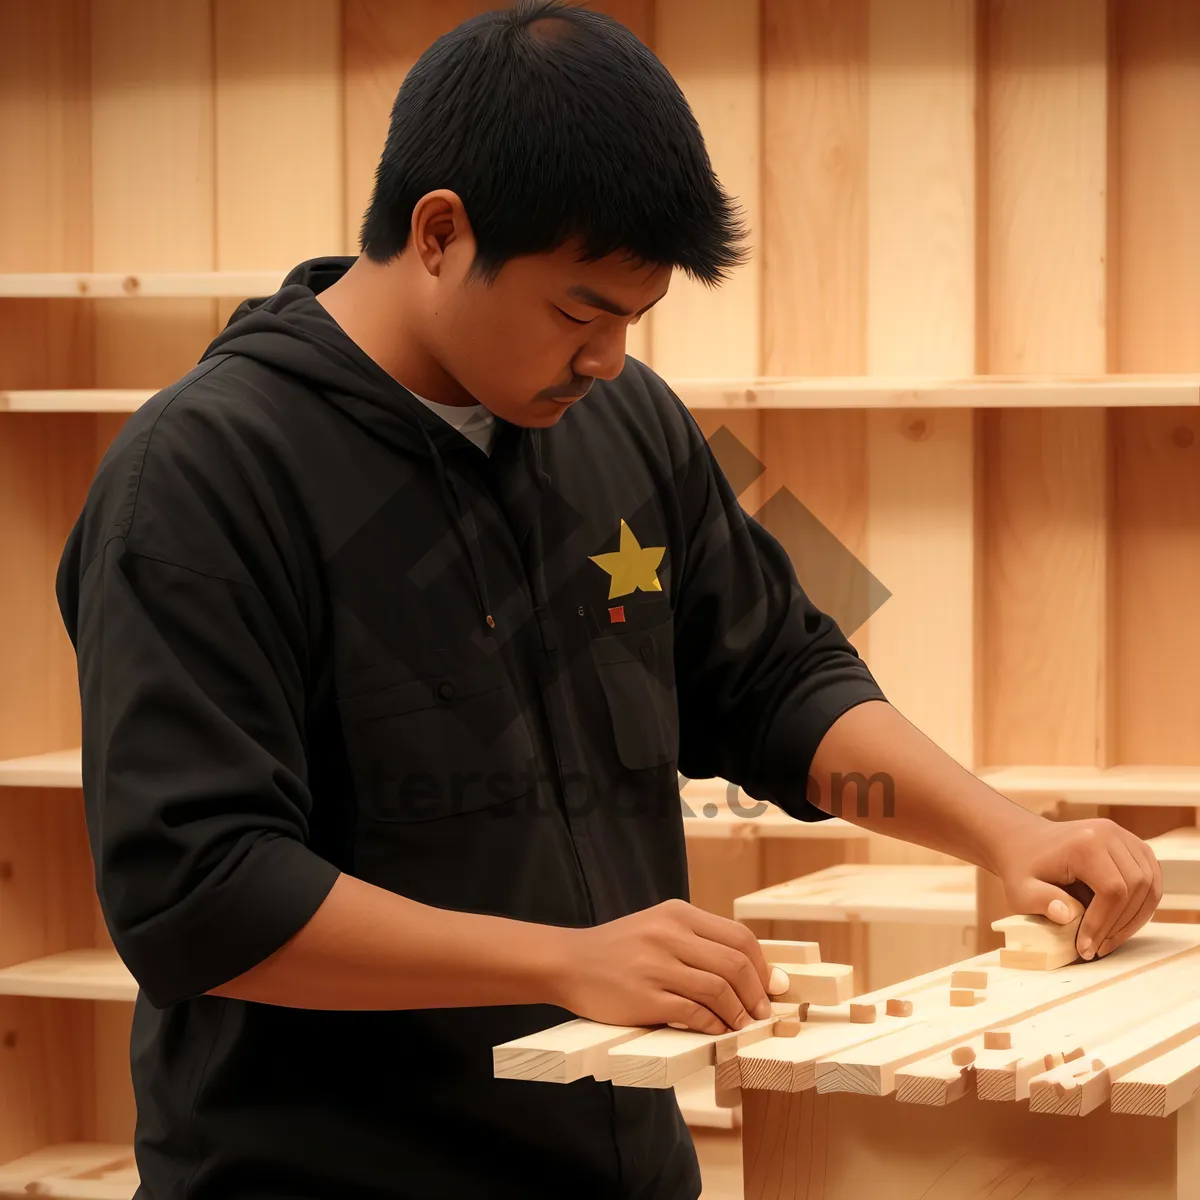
(1153, 895)
(1137, 884)
(736, 936)
(1097, 869)
(1137, 881)
(1047, 899)
(683, 1013)
(734, 968)
(711, 992)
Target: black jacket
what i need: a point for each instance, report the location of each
(318, 630)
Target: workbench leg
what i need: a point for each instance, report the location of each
(805, 1146)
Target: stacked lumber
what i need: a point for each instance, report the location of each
(1121, 1032)
(661, 1057)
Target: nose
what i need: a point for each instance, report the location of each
(604, 355)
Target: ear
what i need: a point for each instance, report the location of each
(441, 233)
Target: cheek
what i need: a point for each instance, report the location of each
(502, 334)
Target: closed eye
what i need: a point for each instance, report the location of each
(573, 320)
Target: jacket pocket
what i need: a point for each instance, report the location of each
(637, 673)
(440, 746)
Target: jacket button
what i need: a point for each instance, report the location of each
(445, 690)
(646, 650)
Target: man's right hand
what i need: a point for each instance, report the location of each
(673, 964)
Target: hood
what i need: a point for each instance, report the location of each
(291, 333)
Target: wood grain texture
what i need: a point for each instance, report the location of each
(712, 50)
(1047, 564)
(153, 181)
(278, 133)
(841, 1146)
(1157, 483)
(921, 468)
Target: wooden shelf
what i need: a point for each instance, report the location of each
(982, 391)
(118, 285)
(71, 975)
(58, 769)
(850, 392)
(1129, 785)
(80, 1170)
(883, 892)
(74, 400)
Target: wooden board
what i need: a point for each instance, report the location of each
(78, 1170)
(71, 975)
(881, 892)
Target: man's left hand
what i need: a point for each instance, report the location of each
(1118, 867)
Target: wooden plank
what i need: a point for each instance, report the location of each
(852, 391)
(879, 892)
(1178, 853)
(781, 1065)
(288, 74)
(742, 399)
(128, 285)
(85, 1170)
(1157, 505)
(1014, 995)
(712, 50)
(1079, 1087)
(1128, 785)
(153, 182)
(1070, 1030)
(71, 975)
(1161, 1086)
(76, 400)
(921, 474)
(1047, 566)
(562, 1054)
(57, 769)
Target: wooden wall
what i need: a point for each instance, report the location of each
(937, 189)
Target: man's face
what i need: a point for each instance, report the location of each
(531, 343)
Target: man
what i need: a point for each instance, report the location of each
(391, 647)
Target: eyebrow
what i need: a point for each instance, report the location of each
(585, 295)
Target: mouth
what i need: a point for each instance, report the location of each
(571, 397)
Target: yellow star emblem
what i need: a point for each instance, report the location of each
(632, 567)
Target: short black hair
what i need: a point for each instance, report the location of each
(552, 122)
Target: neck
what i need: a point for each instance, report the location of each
(374, 308)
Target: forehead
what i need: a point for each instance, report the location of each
(628, 281)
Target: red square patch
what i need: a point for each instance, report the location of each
(616, 614)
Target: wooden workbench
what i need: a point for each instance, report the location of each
(1092, 1098)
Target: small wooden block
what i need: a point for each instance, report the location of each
(962, 1056)
(968, 979)
(863, 1014)
(800, 1011)
(787, 1027)
(997, 1039)
(1072, 1055)
(964, 997)
(790, 952)
(899, 1008)
(818, 983)
(726, 1097)
(1038, 960)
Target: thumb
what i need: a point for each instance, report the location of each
(1045, 899)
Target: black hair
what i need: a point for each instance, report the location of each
(552, 122)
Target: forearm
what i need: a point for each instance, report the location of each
(917, 792)
(368, 948)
